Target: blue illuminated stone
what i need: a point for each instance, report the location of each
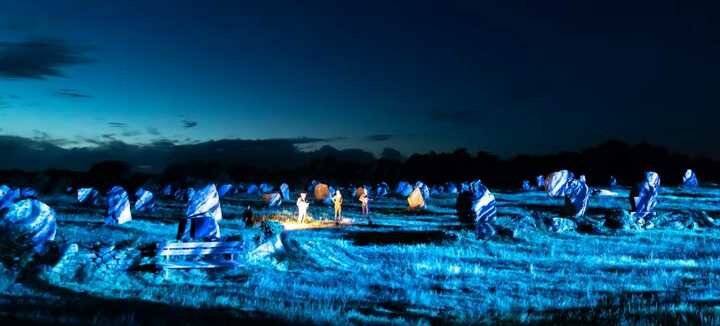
(225, 190)
(643, 197)
(31, 222)
(403, 189)
(576, 192)
(145, 201)
(382, 190)
(476, 207)
(118, 206)
(8, 196)
(689, 179)
(265, 188)
(203, 214)
(526, 186)
(285, 191)
(272, 199)
(88, 196)
(540, 182)
(252, 189)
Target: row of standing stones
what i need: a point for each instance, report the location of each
(27, 223)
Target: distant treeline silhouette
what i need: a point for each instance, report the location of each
(613, 158)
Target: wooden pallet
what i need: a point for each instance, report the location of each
(228, 251)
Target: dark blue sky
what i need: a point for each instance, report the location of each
(506, 77)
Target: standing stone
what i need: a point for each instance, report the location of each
(423, 189)
(240, 188)
(576, 192)
(118, 206)
(184, 194)
(8, 196)
(272, 199)
(476, 207)
(29, 193)
(180, 194)
(252, 189)
(689, 179)
(285, 191)
(435, 190)
(382, 190)
(167, 191)
(526, 187)
(643, 197)
(556, 182)
(145, 201)
(403, 189)
(28, 225)
(613, 182)
(322, 194)
(202, 216)
(416, 199)
(266, 188)
(88, 196)
(577, 195)
(225, 190)
(540, 182)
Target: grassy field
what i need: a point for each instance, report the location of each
(405, 268)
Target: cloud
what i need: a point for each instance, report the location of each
(44, 137)
(125, 132)
(310, 140)
(379, 137)
(189, 124)
(153, 131)
(130, 133)
(38, 58)
(117, 125)
(42, 152)
(71, 93)
(103, 140)
(40, 135)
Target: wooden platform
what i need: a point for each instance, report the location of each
(223, 254)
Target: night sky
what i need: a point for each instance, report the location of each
(505, 77)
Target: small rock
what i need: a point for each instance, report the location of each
(562, 225)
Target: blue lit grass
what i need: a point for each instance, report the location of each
(625, 277)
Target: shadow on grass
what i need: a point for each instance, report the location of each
(406, 212)
(648, 307)
(364, 238)
(83, 308)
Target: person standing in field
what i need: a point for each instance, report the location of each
(248, 217)
(337, 200)
(364, 206)
(302, 205)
